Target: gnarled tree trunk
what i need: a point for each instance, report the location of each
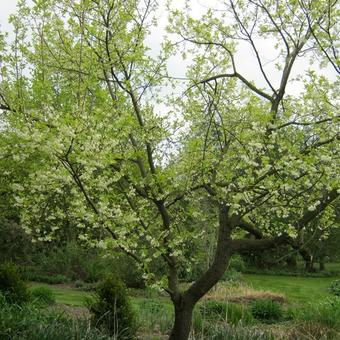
(308, 258)
(185, 302)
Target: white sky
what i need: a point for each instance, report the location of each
(7, 7)
(246, 63)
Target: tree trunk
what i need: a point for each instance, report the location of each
(308, 258)
(322, 263)
(309, 265)
(184, 303)
(291, 262)
(183, 319)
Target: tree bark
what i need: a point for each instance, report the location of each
(308, 258)
(308, 265)
(291, 262)
(322, 263)
(185, 302)
(183, 319)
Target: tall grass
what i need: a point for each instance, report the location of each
(154, 317)
(30, 323)
(225, 331)
(216, 317)
(326, 312)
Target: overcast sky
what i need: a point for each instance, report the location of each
(7, 8)
(245, 62)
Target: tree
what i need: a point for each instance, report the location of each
(320, 237)
(84, 91)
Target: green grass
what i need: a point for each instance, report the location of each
(155, 311)
(297, 289)
(65, 295)
(74, 297)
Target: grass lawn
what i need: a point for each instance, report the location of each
(297, 289)
(65, 295)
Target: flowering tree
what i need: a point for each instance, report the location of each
(85, 91)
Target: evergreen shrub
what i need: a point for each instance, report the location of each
(111, 309)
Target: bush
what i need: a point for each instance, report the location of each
(43, 295)
(237, 264)
(266, 310)
(230, 312)
(11, 285)
(335, 287)
(232, 276)
(80, 284)
(111, 309)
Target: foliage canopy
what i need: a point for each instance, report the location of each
(83, 114)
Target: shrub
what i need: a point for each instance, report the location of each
(11, 285)
(237, 263)
(43, 295)
(266, 310)
(335, 287)
(232, 276)
(111, 308)
(80, 284)
(230, 312)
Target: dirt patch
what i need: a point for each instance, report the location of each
(250, 298)
(242, 294)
